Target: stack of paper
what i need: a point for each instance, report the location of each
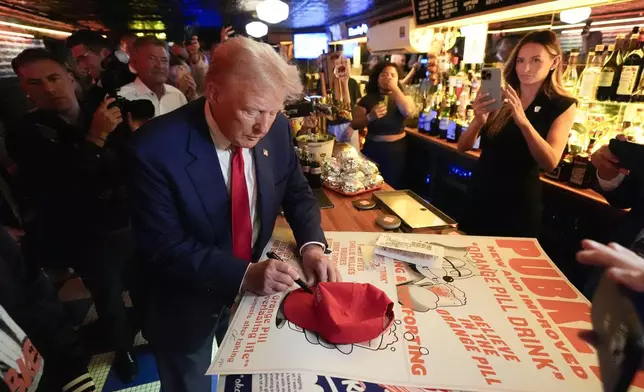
(404, 249)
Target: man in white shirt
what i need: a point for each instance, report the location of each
(150, 59)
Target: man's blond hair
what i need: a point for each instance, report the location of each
(242, 60)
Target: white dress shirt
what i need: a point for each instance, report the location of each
(225, 155)
(172, 98)
(610, 185)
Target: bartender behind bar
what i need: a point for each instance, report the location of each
(383, 112)
(528, 132)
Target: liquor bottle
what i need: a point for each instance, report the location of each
(589, 79)
(570, 75)
(444, 118)
(638, 95)
(422, 118)
(461, 79)
(602, 52)
(455, 126)
(619, 48)
(583, 172)
(431, 126)
(608, 76)
(635, 132)
(631, 70)
(563, 171)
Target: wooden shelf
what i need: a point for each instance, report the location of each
(585, 193)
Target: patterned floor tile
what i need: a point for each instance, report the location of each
(99, 369)
(151, 387)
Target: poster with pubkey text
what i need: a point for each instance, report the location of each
(496, 315)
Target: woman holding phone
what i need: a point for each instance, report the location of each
(528, 133)
(383, 112)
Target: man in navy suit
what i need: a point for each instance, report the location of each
(207, 184)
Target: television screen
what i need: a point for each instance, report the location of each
(310, 46)
(347, 49)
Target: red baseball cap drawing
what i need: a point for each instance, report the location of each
(341, 312)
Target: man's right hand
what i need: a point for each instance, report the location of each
(105, 120)
(606, 163)
(269, 277)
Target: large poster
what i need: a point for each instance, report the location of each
(496, 315)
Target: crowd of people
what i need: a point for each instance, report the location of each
(164, 175)
(98, 185)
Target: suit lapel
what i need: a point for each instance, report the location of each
(205, 172)
(265, 189)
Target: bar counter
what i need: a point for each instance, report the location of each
(345, 217)
(584, 193)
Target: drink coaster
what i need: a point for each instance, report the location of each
(363, 204)
(388, 222)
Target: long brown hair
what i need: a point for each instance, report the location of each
(552, 86)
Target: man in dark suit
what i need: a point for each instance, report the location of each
(623, 189)
(207, 184)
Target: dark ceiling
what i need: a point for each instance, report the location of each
(117, 14)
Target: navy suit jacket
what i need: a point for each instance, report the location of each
(181, 208)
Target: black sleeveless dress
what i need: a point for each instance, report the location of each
(504, 198)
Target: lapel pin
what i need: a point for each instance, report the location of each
(265, 152)
(537, 109)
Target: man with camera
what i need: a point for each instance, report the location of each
(623, 188)
(150, 59)
(72, 193)
(95, 58)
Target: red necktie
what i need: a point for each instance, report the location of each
(240, 208)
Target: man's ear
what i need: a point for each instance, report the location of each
(212, 92)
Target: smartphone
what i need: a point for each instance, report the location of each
(424, 61)
(491, 84)
(631, 155)
(618, 335)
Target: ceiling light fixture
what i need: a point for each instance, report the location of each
(34, 28)
(12, 34)
(272, 11)
(575, 15)
(256, 29)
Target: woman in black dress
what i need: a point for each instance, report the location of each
(383, 111)
(528, 133)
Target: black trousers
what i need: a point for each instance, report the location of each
(183, 370)
(104, 261)
(391, 158)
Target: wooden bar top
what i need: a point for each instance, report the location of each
(585, 193)
(345, 217)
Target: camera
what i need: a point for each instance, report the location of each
(486, 75)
